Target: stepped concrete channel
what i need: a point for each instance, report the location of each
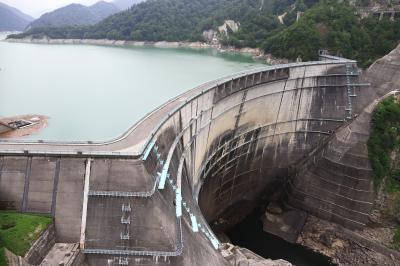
(147, 197)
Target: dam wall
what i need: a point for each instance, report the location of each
(339, 175)
(207, 154)
(335, 182)
(45, 185)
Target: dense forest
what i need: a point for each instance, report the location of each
(325, 24)
(337, 28)
(384, 154)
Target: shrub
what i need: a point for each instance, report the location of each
(396, 238)
(383, 141)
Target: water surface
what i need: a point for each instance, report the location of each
(96, 92)
(250, 234)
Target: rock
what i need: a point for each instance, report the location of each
(229, 25)
(271, 60)
(274, 208)
(325, 240)
(210, 36)
(284, 224)
(238, 256)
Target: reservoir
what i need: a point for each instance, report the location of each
(97, 92)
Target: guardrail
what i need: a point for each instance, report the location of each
(79, 148)
(240, 81)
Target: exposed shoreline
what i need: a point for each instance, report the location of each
(255, 53)
(349, 247)
(39, 122)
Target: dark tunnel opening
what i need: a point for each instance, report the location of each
(241, 224)
(249, 234)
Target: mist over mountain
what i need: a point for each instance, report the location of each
(125, 4)
(11, 19)
(76, 14)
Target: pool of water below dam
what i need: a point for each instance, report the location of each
(249, 234)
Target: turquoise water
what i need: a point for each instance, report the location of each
(96, 92)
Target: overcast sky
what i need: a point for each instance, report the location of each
(36, 8)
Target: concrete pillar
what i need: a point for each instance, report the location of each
(85, 203)
(55, 187)
(28, 168)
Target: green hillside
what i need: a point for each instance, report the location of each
(19, 231)
(323, 25)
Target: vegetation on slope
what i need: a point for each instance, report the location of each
(384, 141)
(19, 231)
(396, 239)
(162, 20)
(182, 20)
(384, 154)
(3, 261)
(335, 27)
(324, 25)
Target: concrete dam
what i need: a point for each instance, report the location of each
(147, 198)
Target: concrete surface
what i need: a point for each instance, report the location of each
(256, 133)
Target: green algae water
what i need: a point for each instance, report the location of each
(97, 92)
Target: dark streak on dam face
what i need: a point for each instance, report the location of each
(148, 196)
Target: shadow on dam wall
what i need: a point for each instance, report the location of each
(225, 143)
(249, 233)
(274, 137)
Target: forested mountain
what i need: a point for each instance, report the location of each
(273, 25)
(125, 4)
(76, 14)
(11, 19)
(174, 20)
(337, 28)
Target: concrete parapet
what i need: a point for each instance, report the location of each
(41, 247)
(14, 260)
(195, 158)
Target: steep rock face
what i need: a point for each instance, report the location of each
(11, 19)
(384, 74)
(76, 14)
(212, 36)
(335, 182)
(229, 25)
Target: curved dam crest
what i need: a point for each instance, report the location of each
(149, 196)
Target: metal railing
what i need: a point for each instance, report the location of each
(251, 79)
(203, 89)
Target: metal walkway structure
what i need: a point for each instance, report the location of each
(137, 197)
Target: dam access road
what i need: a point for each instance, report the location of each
(147, 197)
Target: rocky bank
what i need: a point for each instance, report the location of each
(256, 53)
